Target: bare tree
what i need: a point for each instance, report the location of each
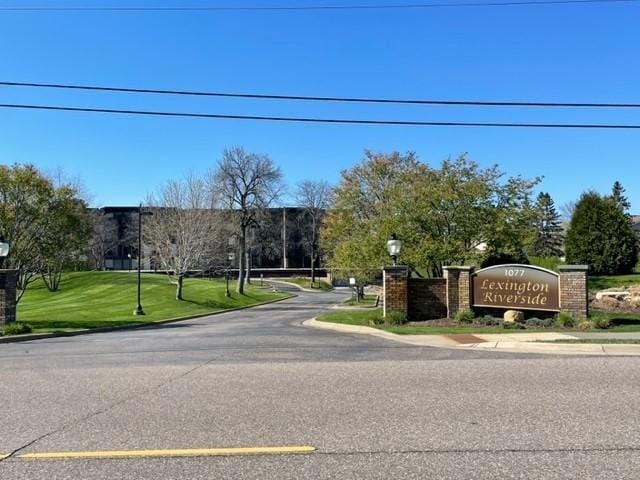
(180, 228)
(313, 197)
(104, 238)
(246, 183)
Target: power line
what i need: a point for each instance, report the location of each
(414, 6)
(318, 120)
(476, 103)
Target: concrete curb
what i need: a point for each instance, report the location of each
(441, 341)
(40, 336)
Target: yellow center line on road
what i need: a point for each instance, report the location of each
(4, 455)
(190, 452)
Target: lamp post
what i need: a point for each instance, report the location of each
(230, 258)
(393, 247)
(139, 310)
(4, 251)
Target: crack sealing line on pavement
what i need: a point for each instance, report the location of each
(104, 410)
(480, 450)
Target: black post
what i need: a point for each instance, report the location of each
(226, 277)
(138, 310)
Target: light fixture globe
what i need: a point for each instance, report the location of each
(393, 247)
(4, 249)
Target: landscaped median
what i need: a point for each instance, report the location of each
(543, 340)
(97, 300)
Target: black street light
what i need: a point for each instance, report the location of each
(139, 310)
(230, 258)
(393, 247)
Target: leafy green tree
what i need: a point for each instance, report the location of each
(68, 234)
(601, 236)
(619, 198)
(365, 212)
(549, 234)
(443, 216)
(44, 224)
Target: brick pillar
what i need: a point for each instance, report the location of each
(458, 289)
(574, 292)
(8, 282)
(395, 285)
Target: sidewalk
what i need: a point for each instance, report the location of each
(507, 342)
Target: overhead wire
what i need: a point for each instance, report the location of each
(318, 119)
(315, 98)
(284, 8)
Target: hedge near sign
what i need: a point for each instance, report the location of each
(522, 287)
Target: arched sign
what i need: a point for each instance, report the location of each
(521, 287)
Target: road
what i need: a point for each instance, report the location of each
(371, 408)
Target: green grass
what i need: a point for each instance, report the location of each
(595, 340)
(359, 317)
(306, 283)
(610, 281)
(367, 301)
(620, 322)
(106, 299)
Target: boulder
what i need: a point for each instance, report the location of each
(620, 295)
(608, 303)
(513, 316)
(634, 290)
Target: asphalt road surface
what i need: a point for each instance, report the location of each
(371, 408)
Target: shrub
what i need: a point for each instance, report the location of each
(17, 329)
(376, 319)
(535, 322)
(585, 325)
(513, 326)
(565, 320)
(465, 316)
(395, 318)
(601, 322)
(488, 320)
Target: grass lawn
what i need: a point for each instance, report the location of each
(104, 299)
(359, 317)
(306, 283)
(620, 322)
(595, 340)
(610, 281)
(367, 301)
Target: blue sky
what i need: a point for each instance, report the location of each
(574, 53)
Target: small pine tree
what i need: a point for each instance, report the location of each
(600, 235)
(618, 196)
(549, 235)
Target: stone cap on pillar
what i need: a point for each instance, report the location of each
(573, 268)
(463, 268)
(396, 268)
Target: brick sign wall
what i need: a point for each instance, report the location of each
(427, 298)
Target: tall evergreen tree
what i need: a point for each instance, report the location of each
(549, 236)
(600, 235)
(618, 196)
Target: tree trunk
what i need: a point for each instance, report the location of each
(243, 248)
(179, 287)
(313, 265)
(247, 278)
(52, 279)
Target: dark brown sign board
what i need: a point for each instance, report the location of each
(519, 287)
